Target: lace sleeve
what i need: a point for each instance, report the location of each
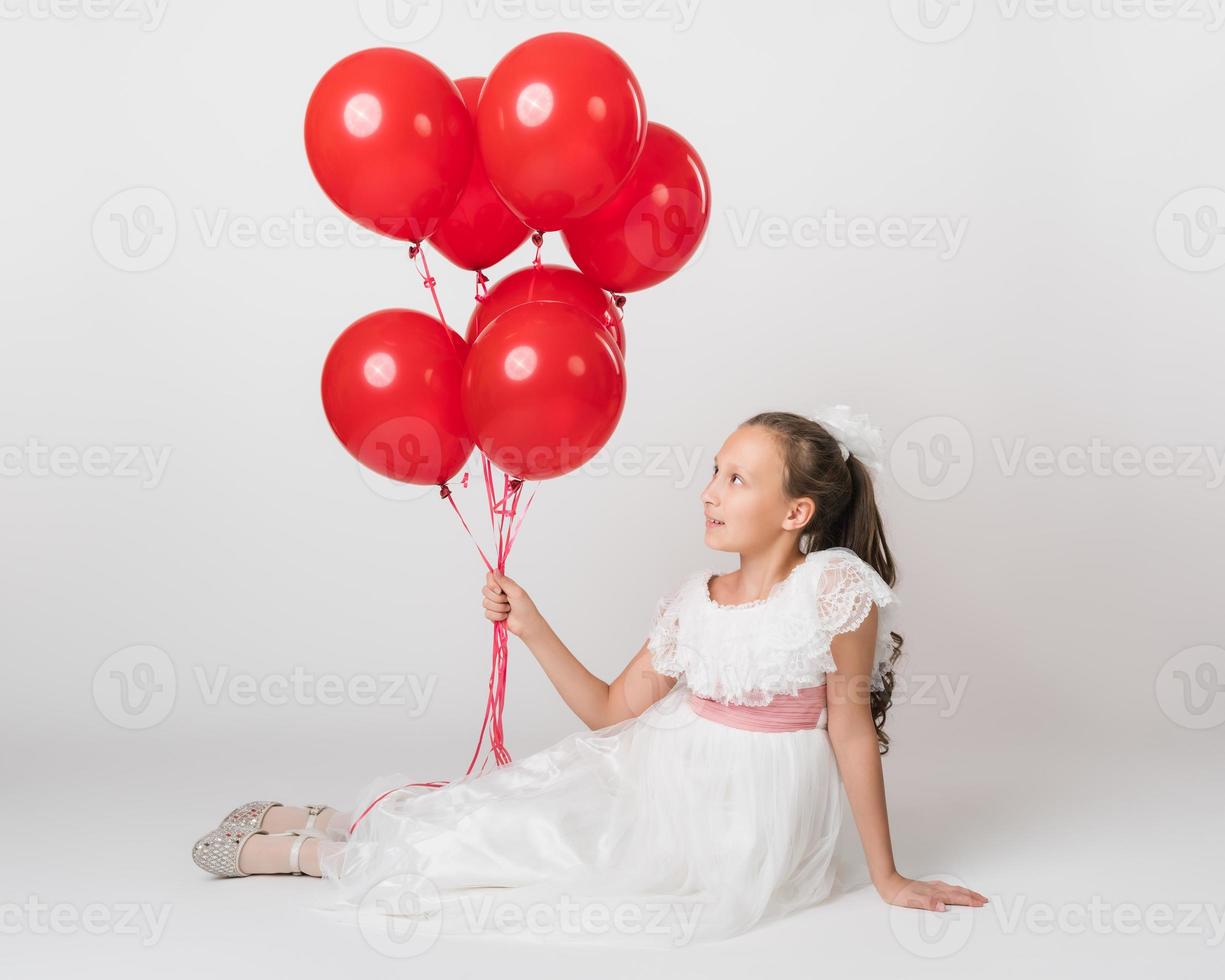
(848, 588)
(664, 631)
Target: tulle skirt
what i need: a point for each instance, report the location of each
(659, 830)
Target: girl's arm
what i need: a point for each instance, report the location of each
(596, 703)
(852, 733)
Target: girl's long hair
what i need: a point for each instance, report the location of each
(845, 516)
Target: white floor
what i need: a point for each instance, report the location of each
(111, 821)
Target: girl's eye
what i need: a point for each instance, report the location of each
(735, 476)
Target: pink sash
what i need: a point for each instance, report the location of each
(785, 713)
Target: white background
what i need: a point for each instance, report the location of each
(1075, 149)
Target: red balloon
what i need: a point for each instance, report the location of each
(542, 390)
(560, 123)
(653, 223)
(481, 230)
(391, 394)
(547, 282)
(390, 141)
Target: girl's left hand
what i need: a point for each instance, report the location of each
(934, 896)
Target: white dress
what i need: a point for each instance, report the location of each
(660, 830)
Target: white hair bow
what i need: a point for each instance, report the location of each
(855, 434)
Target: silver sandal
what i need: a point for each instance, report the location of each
(218, 851)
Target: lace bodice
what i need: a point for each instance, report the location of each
(749, 652)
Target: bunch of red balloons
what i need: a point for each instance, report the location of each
(555, 139)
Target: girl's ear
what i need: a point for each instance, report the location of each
(802, 509)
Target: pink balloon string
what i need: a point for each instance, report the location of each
(502, 519)
(504, 508)
(416, 252)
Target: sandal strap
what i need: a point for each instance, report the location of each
(312, 811)
(295, 866)
(295, 849)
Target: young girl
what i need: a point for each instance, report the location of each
(711, 794)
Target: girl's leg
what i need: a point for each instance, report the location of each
(280, 818)
(262, 855)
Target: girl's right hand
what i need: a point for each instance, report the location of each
(505, 599)
(935, 896)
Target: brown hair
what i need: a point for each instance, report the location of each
(846, 515)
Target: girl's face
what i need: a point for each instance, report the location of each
(745, 507)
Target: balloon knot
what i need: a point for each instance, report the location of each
(444, 491)
(413, 250)
(619, 300)
(430, 282)
(515, 483)
(537, 239)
